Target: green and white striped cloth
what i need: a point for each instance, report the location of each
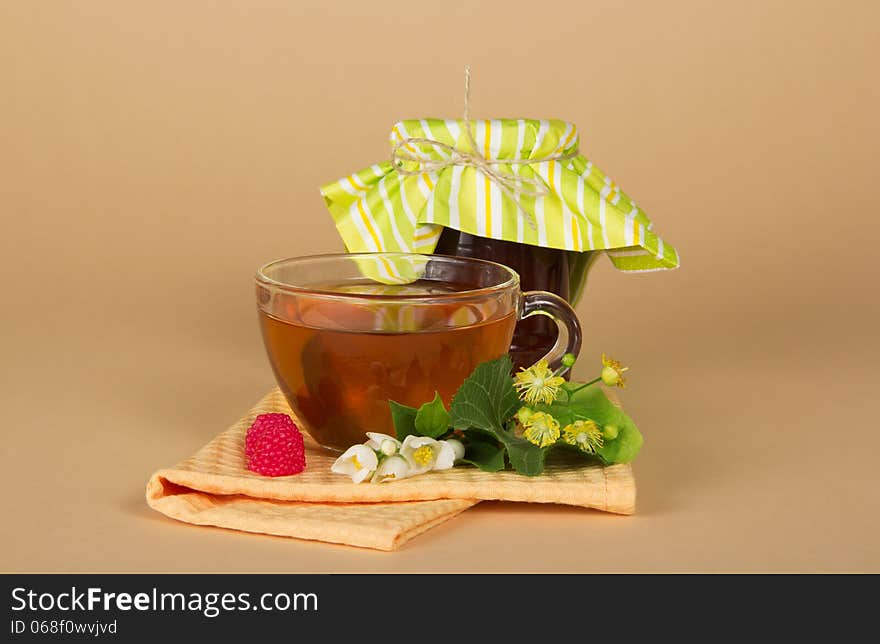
(378, 209)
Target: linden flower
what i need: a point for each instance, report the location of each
(358, 462)
(538, 384)
(392, 468)
(384, 443)
(541, 429)
(612, 372)
(424, 454)
(583, 434)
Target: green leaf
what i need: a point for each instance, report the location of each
(486, 399)
(525, 457)
(404, 419)
(590, 398)
(592, 403)
(432, 419)
(489, 457)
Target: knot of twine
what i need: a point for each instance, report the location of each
(510, 183)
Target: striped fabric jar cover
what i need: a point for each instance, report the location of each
(377, 209)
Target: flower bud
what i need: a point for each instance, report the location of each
(388, 447)
(457, 448)
(568, 360)
(523, 415)
(610, 376)
(610, 432)
(392, 468)
(612, 372)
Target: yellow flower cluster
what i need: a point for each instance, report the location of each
(538, 384)
(585, 435)
(541, 429)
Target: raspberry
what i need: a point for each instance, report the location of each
(274, 446)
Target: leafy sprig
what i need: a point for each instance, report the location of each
(484, 416)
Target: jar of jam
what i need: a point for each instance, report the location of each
(490, 177)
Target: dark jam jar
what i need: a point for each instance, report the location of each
(540, 269)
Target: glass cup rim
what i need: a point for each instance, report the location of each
(262, 278)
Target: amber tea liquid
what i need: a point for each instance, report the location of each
(339, 381)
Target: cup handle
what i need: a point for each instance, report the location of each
(557, 309)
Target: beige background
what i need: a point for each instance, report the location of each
(153, 154)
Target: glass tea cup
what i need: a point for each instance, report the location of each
(347, 333)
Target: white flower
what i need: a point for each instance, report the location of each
(358, 462)
(392, 468)
(384, 443)
(457, 447)
(422, 453)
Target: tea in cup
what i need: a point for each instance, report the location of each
(347, 333)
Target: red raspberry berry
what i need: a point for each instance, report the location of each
(274, 446)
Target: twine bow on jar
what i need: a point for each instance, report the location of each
(511, 184)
